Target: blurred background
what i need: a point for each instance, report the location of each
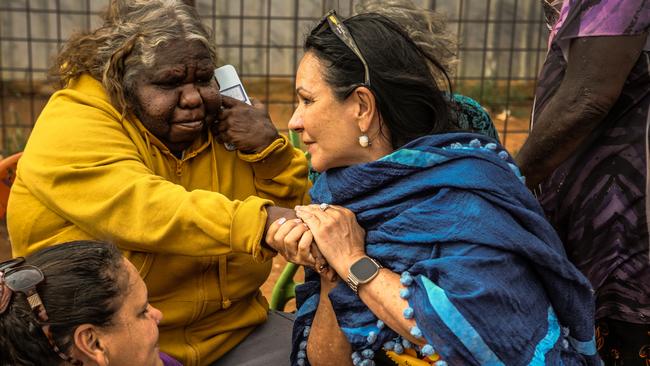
(502, 45)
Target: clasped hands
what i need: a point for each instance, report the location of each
(324, 237)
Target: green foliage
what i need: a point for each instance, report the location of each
(15, 141)
(495, 96)
(15, 135)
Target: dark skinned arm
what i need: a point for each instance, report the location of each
(596, 72)
(327, 345)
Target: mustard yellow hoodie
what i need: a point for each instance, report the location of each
(192, 226)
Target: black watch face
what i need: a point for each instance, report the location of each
(363, 269)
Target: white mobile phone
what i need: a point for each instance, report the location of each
(230, 85)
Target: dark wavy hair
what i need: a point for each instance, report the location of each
(84, 284)
(410, 102)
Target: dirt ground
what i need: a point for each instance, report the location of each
(5, 248)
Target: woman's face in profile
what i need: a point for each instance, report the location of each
(327, 127)
(177, 97)
(132, 339)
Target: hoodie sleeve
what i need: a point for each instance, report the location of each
(278, 170)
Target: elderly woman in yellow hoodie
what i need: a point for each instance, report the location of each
(131, 152)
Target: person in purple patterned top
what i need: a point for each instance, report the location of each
(587, 160)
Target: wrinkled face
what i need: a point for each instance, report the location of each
(327, 126)
(178, 96)
(133, 338)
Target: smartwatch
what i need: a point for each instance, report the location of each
(362, 271)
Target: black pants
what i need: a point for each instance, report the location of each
(622, 343)
(269, 344)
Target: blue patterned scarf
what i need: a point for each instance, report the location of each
(491, 282)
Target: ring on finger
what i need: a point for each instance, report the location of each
(324, 206)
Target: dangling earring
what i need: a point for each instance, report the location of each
(364, 141)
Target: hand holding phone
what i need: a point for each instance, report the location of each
(229, 83)
(231, 86)
(250, 129)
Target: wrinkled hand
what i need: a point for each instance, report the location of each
(296, 243)
(292, 239)
(289, 241)
(248, 128)
(339, 237)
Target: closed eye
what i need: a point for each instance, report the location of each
(205, 78)
(145, 311)
(205, 81)
(305, 100)
(168, 84)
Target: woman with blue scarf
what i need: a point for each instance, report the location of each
(437, 252)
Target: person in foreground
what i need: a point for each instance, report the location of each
(587, 158)
(131, 152)
(437, 250)
(77, 303)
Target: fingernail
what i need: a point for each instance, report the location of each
(297, 221)
(282, 220)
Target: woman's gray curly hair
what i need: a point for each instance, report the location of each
(127, 42)
(426, 28)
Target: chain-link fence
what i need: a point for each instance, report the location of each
(501, 48)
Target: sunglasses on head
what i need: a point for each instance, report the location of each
(343, 33)
(16, 277)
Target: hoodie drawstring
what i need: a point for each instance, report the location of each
(223, 272)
